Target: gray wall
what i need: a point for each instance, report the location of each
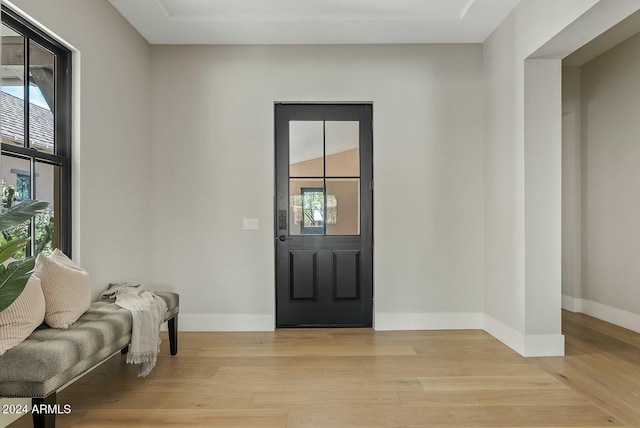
(611, 157)
(213, 165)
(571, 184)
(111, 136)
(522, 178)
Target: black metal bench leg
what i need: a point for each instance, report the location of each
(44, 414)
(173, 335)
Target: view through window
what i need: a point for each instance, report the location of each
(35, 103)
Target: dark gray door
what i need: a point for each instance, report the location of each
(324, 210)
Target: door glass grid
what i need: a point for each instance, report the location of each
(324, 178)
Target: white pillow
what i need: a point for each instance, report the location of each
(23, 316)
(66, 288)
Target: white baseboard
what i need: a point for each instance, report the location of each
(384, 321)
(526, 345)
(571, 303)
(225, 322)
(543, 345)
(620, 317)
(504, 333)
(529, 345)
(428, 321)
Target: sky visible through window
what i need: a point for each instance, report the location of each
(35, 95)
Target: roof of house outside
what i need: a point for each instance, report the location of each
(12, 121)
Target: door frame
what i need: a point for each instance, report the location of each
(365, 218)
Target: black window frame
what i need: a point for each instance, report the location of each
(62, 121)
(313, 230)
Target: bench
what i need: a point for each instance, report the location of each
(50, 359)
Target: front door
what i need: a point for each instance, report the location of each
(324, 207)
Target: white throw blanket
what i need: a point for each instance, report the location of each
(147, 311)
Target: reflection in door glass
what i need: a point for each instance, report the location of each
(306, 148)
(330, 203)
(313, 220)
(306, 206)
(346, 201)
(342, 147)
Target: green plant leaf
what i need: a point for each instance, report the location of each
(21, 213)
(10, 248)
(13, 279)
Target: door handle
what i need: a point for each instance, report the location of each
(282, 238)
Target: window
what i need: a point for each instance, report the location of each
(312, 209)
(35, 103)
(23, 187)
(324, 168)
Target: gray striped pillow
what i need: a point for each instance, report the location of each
(23, 316)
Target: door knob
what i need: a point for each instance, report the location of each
(282, 238)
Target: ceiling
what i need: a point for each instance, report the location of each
(314, 21)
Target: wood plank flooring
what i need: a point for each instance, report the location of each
(602, 362)
(364, 378)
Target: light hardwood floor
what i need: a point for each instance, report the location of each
(363, 378)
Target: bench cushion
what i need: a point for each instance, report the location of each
(173, 303)
(50, 358)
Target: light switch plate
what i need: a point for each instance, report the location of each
(250, 223)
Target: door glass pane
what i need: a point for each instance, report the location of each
(306, 149)
(41, 98)
(306, 207)
(343, 206)
(312, 210)
(342, 149)
(12, 73)
(47, 189)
